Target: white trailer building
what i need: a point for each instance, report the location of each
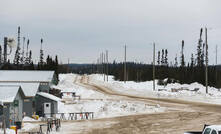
(31, 82)
(13, 99)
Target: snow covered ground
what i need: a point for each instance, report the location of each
(26, 127)
(111, 108)
(105, 106)
(8, 131)
(145, 89)
(67, 84)
(102, 105)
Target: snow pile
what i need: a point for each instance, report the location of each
(102, 105)
(29, 126)
(26, 118)
(8, 131)
(67, 83)
(145, 89)
(110, 108)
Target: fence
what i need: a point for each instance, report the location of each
(72, 116)
(48, 127)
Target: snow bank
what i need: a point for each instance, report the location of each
(145, 89)
(110, 108)
(29, 126)
(26, 118)
(8, 131)
(102, 105)
(67, 84)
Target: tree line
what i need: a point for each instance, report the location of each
(177, 70)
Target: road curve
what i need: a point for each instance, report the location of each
(188, 116)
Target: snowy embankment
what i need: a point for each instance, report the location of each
(67, 83)
(102, 105)
(145, 89)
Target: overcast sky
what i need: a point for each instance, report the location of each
(81, 29)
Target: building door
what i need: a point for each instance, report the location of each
(47, 109)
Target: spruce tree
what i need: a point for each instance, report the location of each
(30, 57)
(17, 52)
(202, 58)
(162, 57)
(182, 62)
(41, 55)
(192, 61)
(56, 60)
(158, 59)
(199, 50)
(166, 57)
(176, 62)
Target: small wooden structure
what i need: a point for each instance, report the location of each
(71, 95)
(74, 116)
(179, 89)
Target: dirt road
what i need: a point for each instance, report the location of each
(181, 116)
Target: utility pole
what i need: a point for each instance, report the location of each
(216, 54)
(107, 64)
(0, 54)
(125, 62)
(216, 65)
(104, 65)
(154, 66)
(206, 73)
(101, 69)
(97, 65)
(4, 123)
(136, 69)
(68, 71)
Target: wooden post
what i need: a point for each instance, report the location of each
(206, 71)
(154, 66)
